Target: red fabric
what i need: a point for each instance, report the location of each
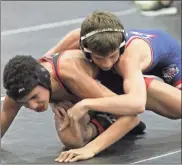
(148, 81)
(97, 124)
(178, 84)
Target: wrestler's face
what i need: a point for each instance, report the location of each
(105, 62)
(37, 100)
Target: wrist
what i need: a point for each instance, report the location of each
(93, 148)
(85, 104)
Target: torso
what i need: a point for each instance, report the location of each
(151, 56)
(163, 49)
(59, 93)
(76, 58)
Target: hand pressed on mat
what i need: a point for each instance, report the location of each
(75, 155)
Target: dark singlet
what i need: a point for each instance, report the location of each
(53, 59)
(101, 120)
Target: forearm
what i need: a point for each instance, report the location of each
(119, 129)
(6, 121)
(70, 41)
(89, 88)
(119, 105)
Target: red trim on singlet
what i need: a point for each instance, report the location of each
(97, 124)
(178, 84)
(49, 59)
(58, 67)
(147, 41)
(148, 81)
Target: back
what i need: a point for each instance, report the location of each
(164, 48)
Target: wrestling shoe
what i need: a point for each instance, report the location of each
(139, 129)
(156, 8)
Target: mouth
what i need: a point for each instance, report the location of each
(106, 69)
(41, 108)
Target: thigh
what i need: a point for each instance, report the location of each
(164, 99)
(171, 74)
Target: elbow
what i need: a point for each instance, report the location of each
(138, 106)
(141, 108)
(73, 145)
(76, 34)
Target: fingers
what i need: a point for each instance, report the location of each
(72, 115)
(65, 104)
(64, 125)
(69, 156)
(76, 158)
(68, 104)
(56, 112)
(65, 156)
(62, 156)
(62, 111)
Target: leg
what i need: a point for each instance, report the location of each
(89, 128)
(166, 2)
(164, 99)
(102, 121)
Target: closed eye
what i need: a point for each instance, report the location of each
(34, 97)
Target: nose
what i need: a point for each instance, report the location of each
(32, 105)
(107, 64)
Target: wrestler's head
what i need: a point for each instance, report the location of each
(27, 82)
(101, 38)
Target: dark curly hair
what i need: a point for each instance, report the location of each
(20, 72)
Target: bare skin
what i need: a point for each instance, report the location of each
(79, 65)
(115, 106)
(158, 94)
(136, 58)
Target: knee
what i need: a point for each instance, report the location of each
(67, 138)
(72, 144)
(175, 117)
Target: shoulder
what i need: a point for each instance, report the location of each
(137, 45)
(10, 105)
(73, 62)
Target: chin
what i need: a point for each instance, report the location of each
(106, 69)
(43, 110)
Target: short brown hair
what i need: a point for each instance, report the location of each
(102, 43)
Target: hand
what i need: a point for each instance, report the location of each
(61, 117)
(75, 155)
(77, 111)
(63, 104)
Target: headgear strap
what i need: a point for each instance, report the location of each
(100, 31)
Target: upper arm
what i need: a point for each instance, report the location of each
(79, 78)
(10, 106)
(8, 113)
(69, 41)
(129, 68)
